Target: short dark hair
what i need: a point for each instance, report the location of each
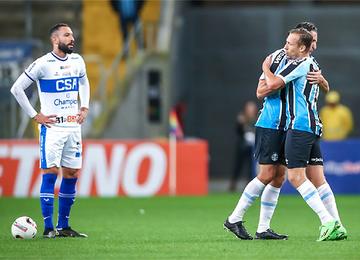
(308, 26)
(56, 27)
(305, 37)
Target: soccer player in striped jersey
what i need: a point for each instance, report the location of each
(302, 121)
(269, 142)
(269, 153)
(61, 78)
(314, 170)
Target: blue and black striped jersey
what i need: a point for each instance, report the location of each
(301, 106)
(273, 112)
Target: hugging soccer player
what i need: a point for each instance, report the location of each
(61, 78)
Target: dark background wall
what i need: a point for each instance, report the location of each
(218, 63)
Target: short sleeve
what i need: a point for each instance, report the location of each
(34, 71)
(294, 70)
(278, 55)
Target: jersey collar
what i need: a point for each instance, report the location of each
(59, 58)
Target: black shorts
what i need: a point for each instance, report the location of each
(269, 146)
(302, 149)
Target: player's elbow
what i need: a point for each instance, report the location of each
(259, 95)
(326, 88)
(14, 90)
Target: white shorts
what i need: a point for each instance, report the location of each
(60, 148)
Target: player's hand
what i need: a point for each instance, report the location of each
(266, 63)
(82, 115)
(315, 77)
(45, 120)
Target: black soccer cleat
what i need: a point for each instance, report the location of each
(68, 232)
(237, 229)
(270, 234)
(49, 233)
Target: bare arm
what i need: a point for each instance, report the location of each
(315, 77)
(273, 82)
(263, 90)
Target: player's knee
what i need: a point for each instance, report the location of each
(266, 175)
(53, 170)
(278, 181)
(296, 179)
(70, 173)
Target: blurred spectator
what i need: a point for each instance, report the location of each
(245, 131)
(128, 12)
(337, 119)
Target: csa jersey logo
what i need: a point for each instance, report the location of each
(59, 85)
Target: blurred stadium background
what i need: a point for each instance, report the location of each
(202, 58)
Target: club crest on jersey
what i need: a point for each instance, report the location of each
(274, 157)
(65, 67)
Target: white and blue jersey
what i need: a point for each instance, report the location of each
(301, 105)
(58, 87)
(273, 112)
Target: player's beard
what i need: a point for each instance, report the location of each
(64, 48)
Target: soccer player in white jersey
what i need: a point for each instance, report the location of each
(61, 78)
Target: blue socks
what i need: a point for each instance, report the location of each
(66, 199)
(47, 198)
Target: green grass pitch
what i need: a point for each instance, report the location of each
(177, 228)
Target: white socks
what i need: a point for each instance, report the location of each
(312, 198)
(328, 199)
(321, 200)
(251, 192)
(269, 199)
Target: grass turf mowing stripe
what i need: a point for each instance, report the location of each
(177, 228)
